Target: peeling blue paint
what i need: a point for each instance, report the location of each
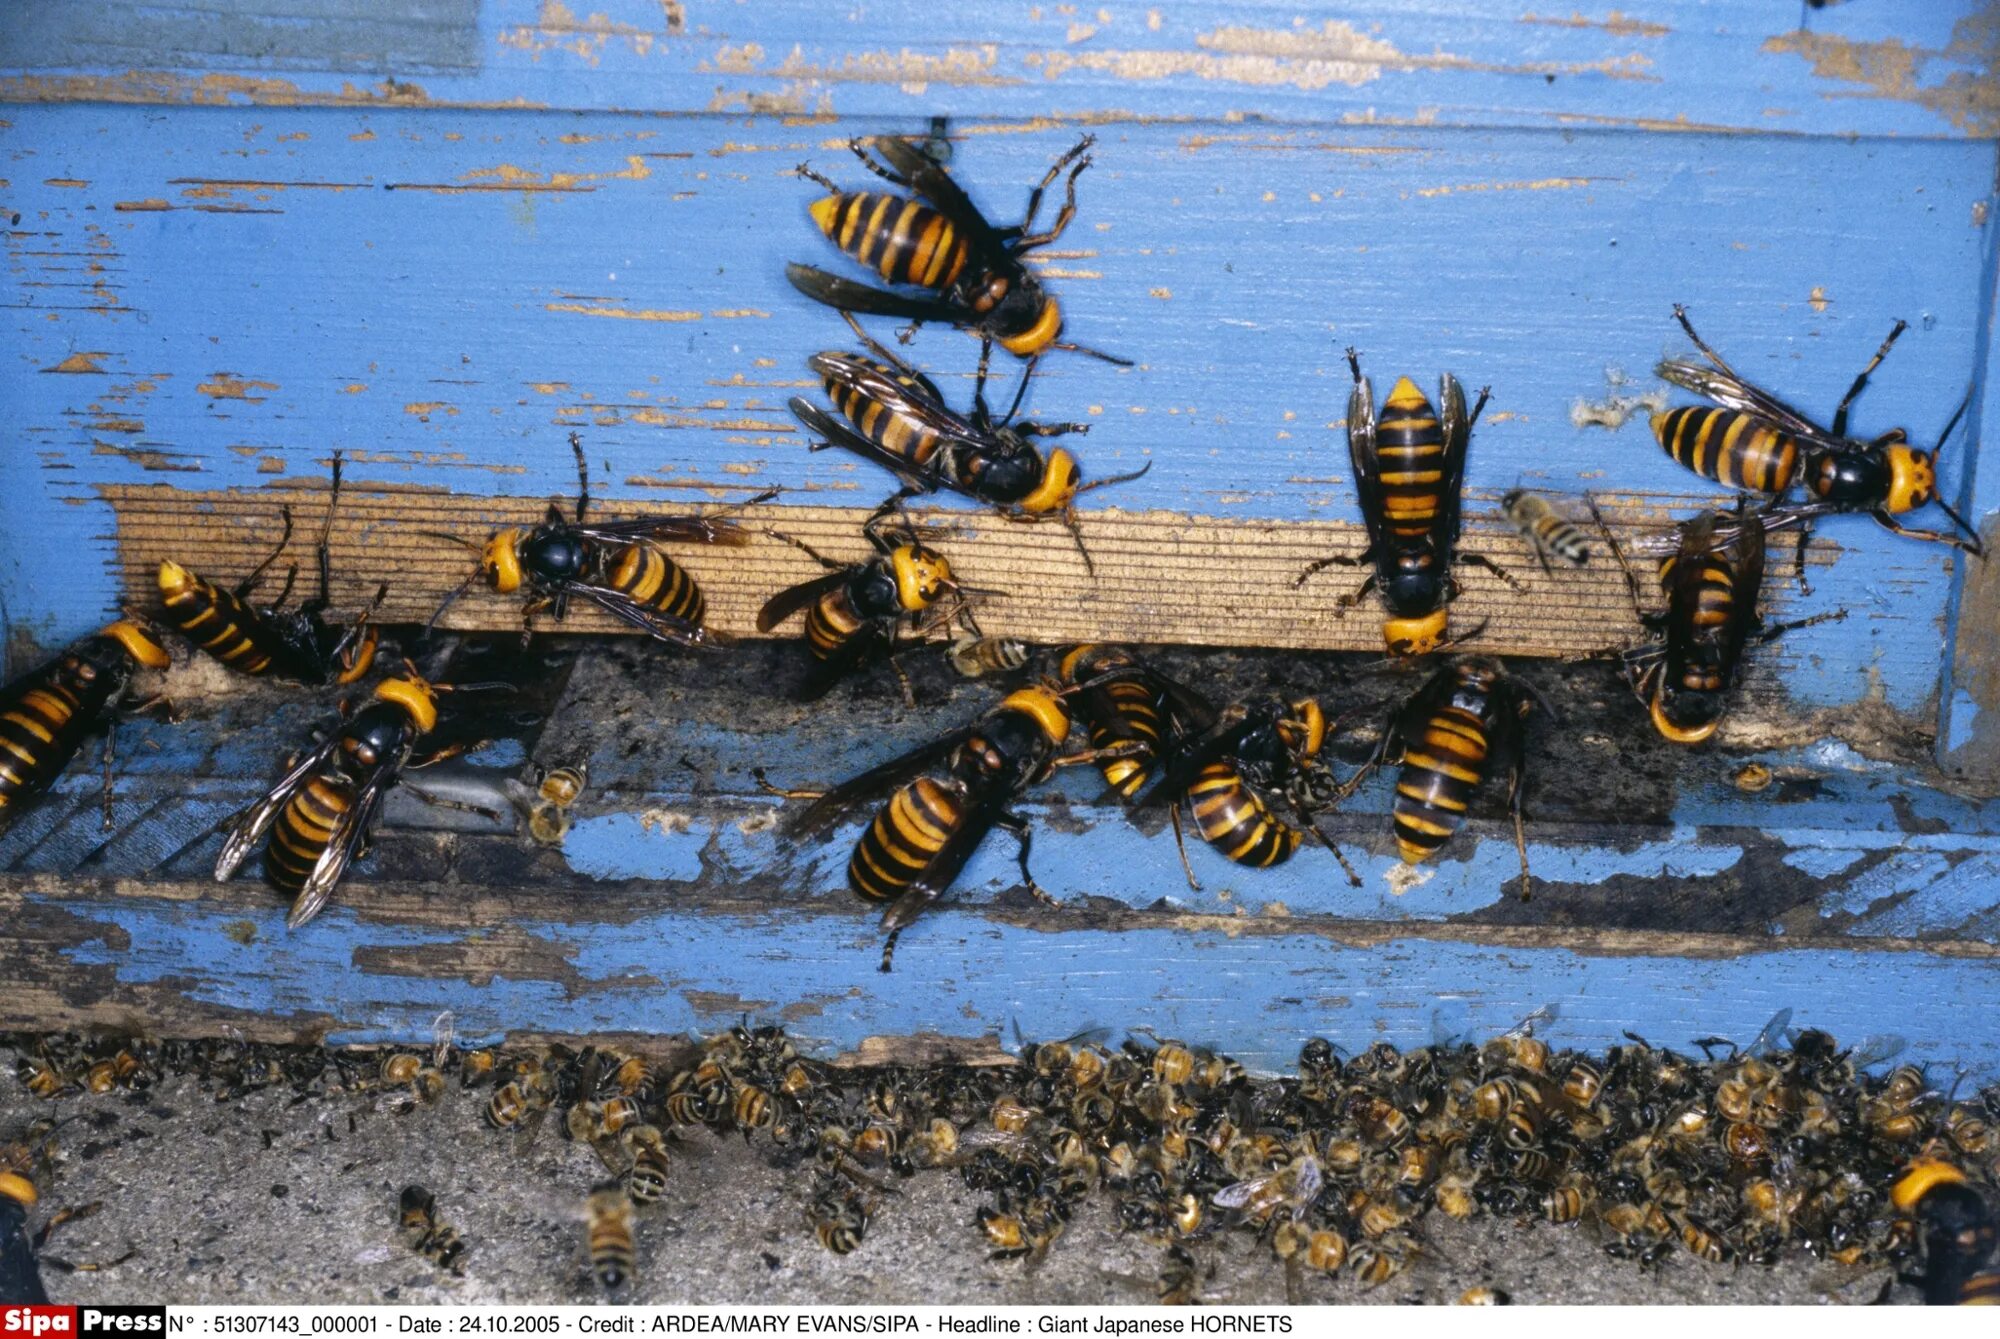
(1823, 862)
(662, 844)
(1258, 996)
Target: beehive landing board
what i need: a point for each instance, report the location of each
(440, 237)
(1668, 901)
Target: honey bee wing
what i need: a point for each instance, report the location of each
(931, 181)
(1239, 1193)
(1307, 1183)
(1877, 1048)
(1734, 393)
(849, 296)
(825, 810)
(672, 529)
(249, 827)
(802, 596)
(350, 831)
(654, 623)
(443, 1031)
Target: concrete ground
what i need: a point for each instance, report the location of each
(274, 1199)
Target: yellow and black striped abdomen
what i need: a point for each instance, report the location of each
(1134, 717)
(1409, 459)
(832, 622)
(300, 835)
(910, 829)
(39, 734)
(897, 433)
(614, 1257)
(907, 242)
(650, 577)
(1442, 766)
(1734, 449)
(216, 620)
(1233, 819)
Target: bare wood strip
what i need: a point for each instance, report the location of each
(1162, 577)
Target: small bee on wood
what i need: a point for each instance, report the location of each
(1545, 529)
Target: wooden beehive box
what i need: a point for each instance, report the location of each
(440, 236)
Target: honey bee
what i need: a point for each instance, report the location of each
(477, 1067)
(1485, 1296)
(686, 1106)
(1582, 1084)
(752, 1108)
(608, 1219)
(1566, 1203)
(1028, 1233)
(1291, 1188)
(521, 1104)
(1010, 1115)
(1297, 1248)
(646, 1182)
(1377, 1217)
(1518, 1047)
(1180, 1279)
(556, 793)
(1453, 1194)
(427, 1235)
(1702, 1243)
(1968, 1131)
(839, 1220)
(43, 1077)
(936, 1145)
(1376, 1262)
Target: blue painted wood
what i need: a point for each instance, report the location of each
(1755, 65)
(1256, 992)
(443, 294)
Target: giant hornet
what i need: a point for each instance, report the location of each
(854, 612)
(1758, 442)
(943, 800)
(899, 420)
(617, 566)
(1409, 468)
(973, 271)
(1464, 724)
(321, 813)
(300, 644)
(1960, 1231)
(45, 713)
(1711, 580)
(1155, 730)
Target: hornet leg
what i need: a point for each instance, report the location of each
(1861, 382)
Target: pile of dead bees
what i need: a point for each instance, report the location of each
(1738, 1155)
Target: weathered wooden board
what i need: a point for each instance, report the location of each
(222, 301)
(1255, 987)
(1237, 586)
(1767, 66)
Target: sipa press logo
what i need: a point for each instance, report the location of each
(37, 1322)
(95, 1322)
